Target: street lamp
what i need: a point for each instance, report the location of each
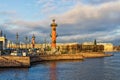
(26, 39)
(17, 36)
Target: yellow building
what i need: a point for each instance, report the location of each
(108, 47)
(23, 46)
(3, 43)
(69, 47)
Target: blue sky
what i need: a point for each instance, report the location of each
(78, 20)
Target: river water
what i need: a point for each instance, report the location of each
(107, 68)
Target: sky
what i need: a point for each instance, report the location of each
(78, 20)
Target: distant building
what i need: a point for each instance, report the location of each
(108, 47)
(3, 43)
(88, 43)
(68, 47)
(63, 48)
(76, 47)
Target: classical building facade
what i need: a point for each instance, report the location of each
(70, 47)
(108, 47)
(3, 43)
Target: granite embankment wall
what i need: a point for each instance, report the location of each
(22, 61)
(95, 54)
(61, 57)
(35, 59)
(57, 57)
(14, 61)
(79, 56)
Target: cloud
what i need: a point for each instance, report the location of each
(97, 1)
(47, 6)
(79, 22)
(86, 20)
(82, 13)
(22, 24)
(100, 36)
(39, 28)
(9, 13)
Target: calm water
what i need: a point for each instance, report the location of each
(107, 68)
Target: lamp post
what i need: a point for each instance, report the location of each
(17, 36)
(26, 39)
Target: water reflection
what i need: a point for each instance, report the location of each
(53, 71)
(54, 67)
(14, 73)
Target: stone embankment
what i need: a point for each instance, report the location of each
(62, 57)
(95, 55)
(14, 61)
(22, 61)
(57, 57)
(78, 56)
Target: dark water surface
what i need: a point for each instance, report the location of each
(107, 68)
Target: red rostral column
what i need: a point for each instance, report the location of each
(33, 41)
(53, 35)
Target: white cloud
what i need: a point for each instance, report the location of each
(8, 13)
(79, 36)
(37, 33)
(80, 22)
(28, 24)
(97, 1)
(81, 13)
(90, 19)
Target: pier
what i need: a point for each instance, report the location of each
(77, 56)
(25, 61)
(57, 57)
(14, 61)
(95, 54)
